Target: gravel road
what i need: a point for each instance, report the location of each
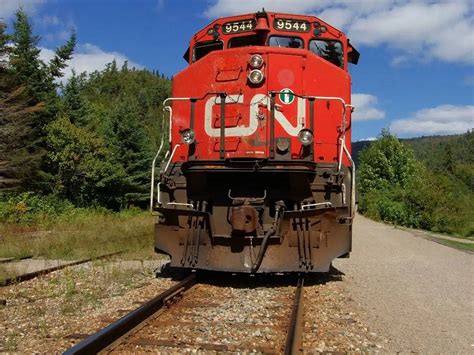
(416, 292)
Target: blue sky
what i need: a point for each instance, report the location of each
(415, 76)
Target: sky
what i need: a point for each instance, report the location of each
(415, 75)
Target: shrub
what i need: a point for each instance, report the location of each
(396, 188)
(28, 208)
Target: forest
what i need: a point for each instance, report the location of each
(86, 141)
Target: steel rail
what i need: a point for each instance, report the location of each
(293, 343)
(10, 260)
(34, 274)
(113, 332)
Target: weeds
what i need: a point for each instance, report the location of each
(83, 235)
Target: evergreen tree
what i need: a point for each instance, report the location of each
(39, 81)
(17, 158)
(132, 147)
(74, 105)
(26, 66)
(61, 56)
(4, 49)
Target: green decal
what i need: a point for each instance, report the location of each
(286, 96)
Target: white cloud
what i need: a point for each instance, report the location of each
(418, 30)
(9, 7)
(231, 7)
(337, 17)
(442, 30)
(365, 108)
(444, 119)
(88, 58)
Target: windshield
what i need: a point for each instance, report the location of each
(246, 41)
(204, 48)
(330, 50)
(285, 42)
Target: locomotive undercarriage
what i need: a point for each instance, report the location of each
(254, 216)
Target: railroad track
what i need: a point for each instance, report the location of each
(9, 260)
(31, 275)
(164, 322)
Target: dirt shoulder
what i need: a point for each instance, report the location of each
(416, 292)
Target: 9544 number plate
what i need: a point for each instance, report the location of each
(238, 26)
(290, 25)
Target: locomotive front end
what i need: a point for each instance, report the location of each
(259, 176)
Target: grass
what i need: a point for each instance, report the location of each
(457, 245)
(85, 234)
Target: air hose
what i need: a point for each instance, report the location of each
(279, 206)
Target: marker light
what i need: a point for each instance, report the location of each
(256, 61)
(255, 76)
(305, 136)
(188, 136)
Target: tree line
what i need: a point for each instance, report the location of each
(423, 182)
(89, 139)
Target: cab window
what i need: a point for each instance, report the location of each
(285, 42)
(332, 51)
(204, 48)
(246, 41)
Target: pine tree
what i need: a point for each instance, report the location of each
(74, 105)
(4, 49)
(38, 81)
(26, 66)
(132, 147)
(62, 55)
(17, 157)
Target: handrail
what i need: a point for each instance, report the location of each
(158, 196)
(311, 205)
(342, 150)
(353, 181)
(342, 141)
(166, 108)
(171, 157)
(170, 110)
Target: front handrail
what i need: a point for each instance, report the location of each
(162, 143)
(343, 148)
(169, 109)
(353, 181)
(342, 141)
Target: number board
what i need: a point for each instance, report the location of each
(238, 26)
(290, 25)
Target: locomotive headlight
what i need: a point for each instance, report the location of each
(255, 76)
(256, 61)
(188, 136)
(306, 137)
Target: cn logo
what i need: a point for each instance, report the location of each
(259, 99)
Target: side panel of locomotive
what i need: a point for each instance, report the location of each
(244, 188)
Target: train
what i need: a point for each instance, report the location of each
(258, 177)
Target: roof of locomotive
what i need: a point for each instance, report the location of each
(332, 32)
(222, 20)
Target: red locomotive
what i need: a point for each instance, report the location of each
(259, 176)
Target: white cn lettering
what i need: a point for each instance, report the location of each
(242, 131)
